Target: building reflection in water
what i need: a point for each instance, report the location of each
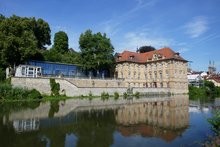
(26, 125)
(166, 119)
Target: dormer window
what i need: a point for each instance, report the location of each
(155, 56)
(177, 54)
(119, 57)
(132, 57)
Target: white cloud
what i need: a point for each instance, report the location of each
(132, 40)
(183, 50)
(197, 27)
(113, 25)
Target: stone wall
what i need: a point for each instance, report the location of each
(79, 87)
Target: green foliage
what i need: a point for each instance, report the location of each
(34, 94)
(137, 94)
(195, 92)
(2, 74)
(104, 95)
(54, 108)
(7, 92)
(215, 122)
(96, 51)
(55, 87)
(144, 49)
(55, 56)
(61, 42)
(116, 95)
(125, 95)
(90, 94)
(209, 90)
(20, 39)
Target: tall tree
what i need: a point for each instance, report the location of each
(61, 42)
(96, 51)
(144, 49)
(18, 41)
(42, 32)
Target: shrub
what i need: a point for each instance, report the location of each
(8, 92)
(104, 95)
(90, 94)
(137, 94)
(55, 87)
(34, 94)
(2, 74)
(116, 95)
(125, 95)
(215, 122)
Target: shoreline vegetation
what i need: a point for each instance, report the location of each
(209, 90)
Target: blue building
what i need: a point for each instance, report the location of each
(57, 69)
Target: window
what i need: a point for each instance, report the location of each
(160, 75)
(23, 71)
(155, 75)
(167, 73)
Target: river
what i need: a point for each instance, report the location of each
(152, 121)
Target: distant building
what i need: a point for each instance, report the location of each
(195, 80)
(35, 68)
(215, 79)
(161, 68)
(212, 68)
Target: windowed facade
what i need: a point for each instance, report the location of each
(161, 69)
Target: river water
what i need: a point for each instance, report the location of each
(154, 121)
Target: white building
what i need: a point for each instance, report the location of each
(195, 80)
(28, 71)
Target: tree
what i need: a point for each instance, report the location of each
(61, 42)
(144, 49)
(42, 32)
(96, 51)
(19, 41)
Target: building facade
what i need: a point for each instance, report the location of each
(161, 68)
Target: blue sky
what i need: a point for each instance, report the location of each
(191, 27)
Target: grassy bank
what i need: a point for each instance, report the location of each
(7, 92)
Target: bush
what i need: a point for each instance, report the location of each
(2, 74)
(104, 95)
(9, 93)
(116, 95)
(137, 94)
(90, 94)
(215, 122)
(125, 95)
(55, 87)
(34, 94)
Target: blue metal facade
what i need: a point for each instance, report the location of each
(56, 69)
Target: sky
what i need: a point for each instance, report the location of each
(190, 27)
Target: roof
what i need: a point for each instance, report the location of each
(193, 77)
(152, 56)
(216, 78)
(38, 61)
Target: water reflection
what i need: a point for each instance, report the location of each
(166, 119)
(94, 123)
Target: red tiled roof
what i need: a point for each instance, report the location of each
(165, 53)
(216, 78)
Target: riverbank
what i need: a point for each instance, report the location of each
(208, 90)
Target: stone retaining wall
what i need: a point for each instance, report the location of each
(70, 88)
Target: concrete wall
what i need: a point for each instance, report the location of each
(70, 88)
